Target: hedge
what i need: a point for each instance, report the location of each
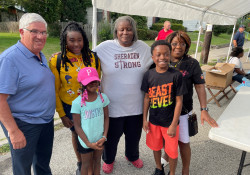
(174, 27)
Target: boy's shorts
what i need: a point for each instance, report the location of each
(155, 136)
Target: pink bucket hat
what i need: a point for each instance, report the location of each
(87, 75)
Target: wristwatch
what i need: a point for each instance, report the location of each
(205, 109)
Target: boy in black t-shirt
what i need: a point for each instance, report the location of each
(163, 94)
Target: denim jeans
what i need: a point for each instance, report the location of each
(238, 78)
(37, 151)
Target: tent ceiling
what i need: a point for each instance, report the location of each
(220, 12)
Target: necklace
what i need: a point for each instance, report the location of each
(176, 63)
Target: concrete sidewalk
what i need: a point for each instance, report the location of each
(219, 54)
(208, 157)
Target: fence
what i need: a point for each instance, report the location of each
(13, 27)
(10, 27)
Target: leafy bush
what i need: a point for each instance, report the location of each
(176, 27)
(157, 26)
(54, 29)
(174, 21)
(151, 34)
(142, 34)
(105, 32)
(218, 29)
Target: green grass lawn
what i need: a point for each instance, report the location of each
(53, 44)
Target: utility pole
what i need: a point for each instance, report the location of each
(206, 44)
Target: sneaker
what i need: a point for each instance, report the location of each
(159, 172)
(107, 168)
(137, 163)
(79, 166)
(164, 162)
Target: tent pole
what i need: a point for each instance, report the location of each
(198, 41)
(94, 25)
(229, 48)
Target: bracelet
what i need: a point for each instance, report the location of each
(104, 138)
(204, 109)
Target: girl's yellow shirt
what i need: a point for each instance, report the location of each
(66, 86)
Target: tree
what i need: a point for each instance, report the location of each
(141, 21)
(4, 4)
(54, 10)
(48, 9)
(74, 10)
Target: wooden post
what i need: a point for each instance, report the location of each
(206, 44)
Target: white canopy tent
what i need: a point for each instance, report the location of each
(217, 12)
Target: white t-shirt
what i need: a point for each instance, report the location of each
(237, 62)
(122, 73)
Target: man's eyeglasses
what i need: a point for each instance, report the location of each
(36, 32)
(180, 44)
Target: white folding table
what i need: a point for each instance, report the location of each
(234, 125)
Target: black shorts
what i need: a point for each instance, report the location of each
(82, 150)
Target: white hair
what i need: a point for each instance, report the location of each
(131, 22)
(29, 18)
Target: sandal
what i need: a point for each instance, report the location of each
(137, 163)
(107, 168)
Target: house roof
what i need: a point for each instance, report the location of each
(219, 12)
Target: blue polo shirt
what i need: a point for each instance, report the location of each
(240, 38)
(29, 84)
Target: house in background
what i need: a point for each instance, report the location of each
(12, 14)
(193, 25)
(101, 15)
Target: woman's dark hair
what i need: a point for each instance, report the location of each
(236, 51)
(86, 52)
(160, 42)
(180, 35)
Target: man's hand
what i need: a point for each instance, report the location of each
(17, 139)
(206, 117)
(54, 54)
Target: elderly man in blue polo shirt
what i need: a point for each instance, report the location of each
(27, 98)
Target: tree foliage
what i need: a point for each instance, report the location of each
(73, 10)
(46, 8)
(53, 10)
(141, 21)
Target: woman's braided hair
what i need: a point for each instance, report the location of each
(86, 52)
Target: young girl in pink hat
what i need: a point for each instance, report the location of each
(91, 120)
